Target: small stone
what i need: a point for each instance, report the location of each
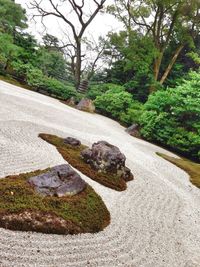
(71, 101)
(86, 105)
(72, 141)
(133, 130)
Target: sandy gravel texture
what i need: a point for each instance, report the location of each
(154, 223)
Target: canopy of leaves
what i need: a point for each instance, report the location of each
(11, 16)
(119, 104)
(172, 117)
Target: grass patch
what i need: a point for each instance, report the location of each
(13, 81)
(84, 212)
(192, 168)
(72, 156)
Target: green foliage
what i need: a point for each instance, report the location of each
(139, 86)
(156, 33)
(99, 89)
(172, 117)
(136, 54)
(59, 89)
(113, 102)
(11, 16)
(28, 45)
(134, 48)
(195, 56)
(133, 113)
(119, 104)
(51, 63)
(37, 79)
(8, 50)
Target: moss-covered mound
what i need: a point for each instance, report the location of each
(72, 155)
(192, 168)
(21, 208)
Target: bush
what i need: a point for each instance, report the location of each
(99, 89)
(57, 88)
(36, 79)
(119, 104)
(172, 117)
(139, 87)
(113, 102)
(133, 113)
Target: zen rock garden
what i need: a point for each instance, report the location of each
(57, 200)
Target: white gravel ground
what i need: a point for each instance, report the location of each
(154, 223)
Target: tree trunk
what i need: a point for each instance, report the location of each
(171, 64)
(156, 70)
(7, 65)
(156, 67)
(78, 65)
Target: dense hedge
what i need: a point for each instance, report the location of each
(172, 117)
(36, 79)
(119, 104)
(96, 90)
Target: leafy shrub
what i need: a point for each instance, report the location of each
(139, 87)
(172, 117)
(38, 80)
(99, 89)
(113, 102)
(133, 113)
(35, 77)
(57, 88)
(119, 104)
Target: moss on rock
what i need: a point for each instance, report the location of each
(21, 208)
(73, 156)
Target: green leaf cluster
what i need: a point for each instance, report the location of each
(172, 117)
(119, 104)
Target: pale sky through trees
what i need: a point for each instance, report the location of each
(102, 24)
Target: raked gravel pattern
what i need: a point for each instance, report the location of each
(154, 223)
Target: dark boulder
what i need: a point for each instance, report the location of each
(60, 181)
(107, 158)
(72, 141)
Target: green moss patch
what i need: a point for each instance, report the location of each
(84, 212)
(192, 168)
(72, 155)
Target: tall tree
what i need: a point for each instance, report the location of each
(165, 21)
(11, 16)
(78, 26)
(12, 20)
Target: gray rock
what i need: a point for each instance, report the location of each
(107, 158)
(133, 130)
(86, 105)
(72, 141)
(60, 181)
(71, 101)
